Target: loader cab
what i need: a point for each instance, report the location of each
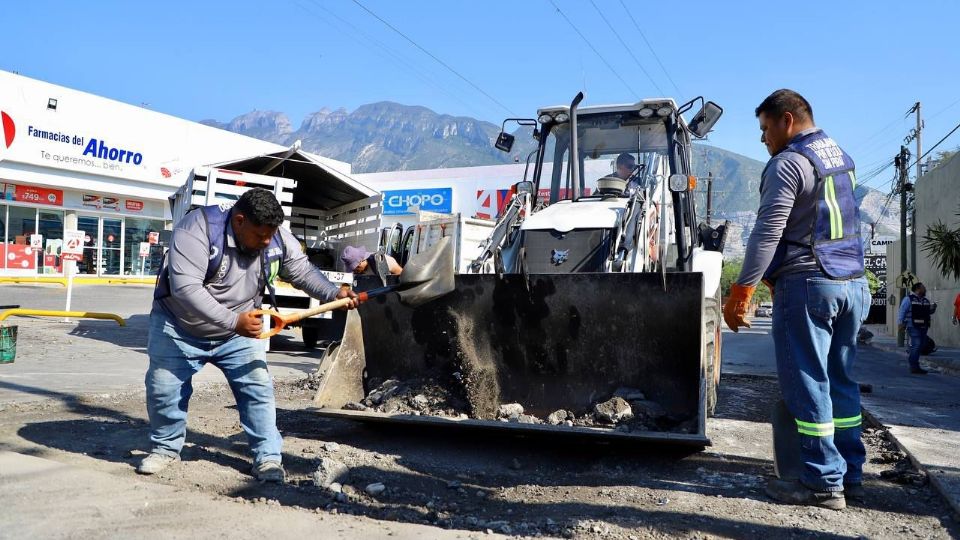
(641, 131)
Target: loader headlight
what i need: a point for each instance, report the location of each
(545, 118)
(663, 112)
(679, 183)
(646, 112)
(562, 117)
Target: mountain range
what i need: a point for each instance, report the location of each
(388, 136)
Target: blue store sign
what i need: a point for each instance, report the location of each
(438, 200)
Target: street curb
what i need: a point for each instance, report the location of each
(934, 479)
(948, 365)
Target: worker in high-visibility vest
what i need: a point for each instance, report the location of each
(806, 245)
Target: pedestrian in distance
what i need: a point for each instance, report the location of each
(220, 261)
(914, 318)
(806, 246)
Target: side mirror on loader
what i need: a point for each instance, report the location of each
(504, 142)
(705, 119)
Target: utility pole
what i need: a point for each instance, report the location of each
(901, 162)
(917, 135)
(709, 198)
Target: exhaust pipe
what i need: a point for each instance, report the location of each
(575, 147)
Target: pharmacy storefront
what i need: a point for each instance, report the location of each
(75, 161)
(33, 219)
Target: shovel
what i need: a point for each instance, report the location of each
(427, 276)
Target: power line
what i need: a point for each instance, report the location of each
(936, 145)
(386, 53)
(587, 41)
(431, 55)
(657, 58)
(622, 42)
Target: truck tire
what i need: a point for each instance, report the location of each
(712, 348)
(311, 335)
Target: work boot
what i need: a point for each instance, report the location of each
(793, 492)
(156, 462)
(268, 471)
(854, 492)
(918, 371)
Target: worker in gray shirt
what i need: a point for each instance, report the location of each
(221, 259)
(806, 245)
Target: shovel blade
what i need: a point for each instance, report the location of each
(428, 275)
(341, 370)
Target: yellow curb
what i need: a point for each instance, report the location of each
(81, 280)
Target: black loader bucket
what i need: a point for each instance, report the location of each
(606, 356)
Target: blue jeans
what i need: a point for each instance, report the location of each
(918, 336)
(815, 325)
(175, 356)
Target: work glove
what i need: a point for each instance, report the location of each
(735, 310)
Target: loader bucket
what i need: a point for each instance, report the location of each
(545, 341)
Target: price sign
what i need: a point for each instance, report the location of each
(36, 241)
(73, 245)
(144, 249)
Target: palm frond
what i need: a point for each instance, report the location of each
(942, 244)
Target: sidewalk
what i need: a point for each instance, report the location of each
(922, 412)
(945, 359)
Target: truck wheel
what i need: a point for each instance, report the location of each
(712, 349)
(310, 336)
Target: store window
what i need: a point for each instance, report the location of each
(50, 227)
(111, 233)
(21, 222)
(90, 225)
(137, 231)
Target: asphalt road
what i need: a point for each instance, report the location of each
(89, 376)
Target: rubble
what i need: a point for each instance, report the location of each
(613, 410)
(330, 471)
(509, 410)
(648, 410)
(558, 417)
(627, 410)
(375, 488)
(415, 397)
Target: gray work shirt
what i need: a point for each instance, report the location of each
(211, 311)
(788, 207)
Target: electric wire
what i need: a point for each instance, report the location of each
(387, 53)
(625, 46)
(434, 57)
(587, 41)
(932, 148)
(649, 46)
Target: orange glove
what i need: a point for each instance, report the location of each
(735, 310)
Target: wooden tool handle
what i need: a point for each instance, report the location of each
(280, 321)
(322, 308)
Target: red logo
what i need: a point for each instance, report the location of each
(135, 206)
(9, 128)
(165, 172)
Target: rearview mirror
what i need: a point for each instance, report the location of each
(704, 120)
(504, 141)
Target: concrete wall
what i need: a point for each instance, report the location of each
(938, 198)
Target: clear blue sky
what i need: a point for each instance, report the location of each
(861, 64)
